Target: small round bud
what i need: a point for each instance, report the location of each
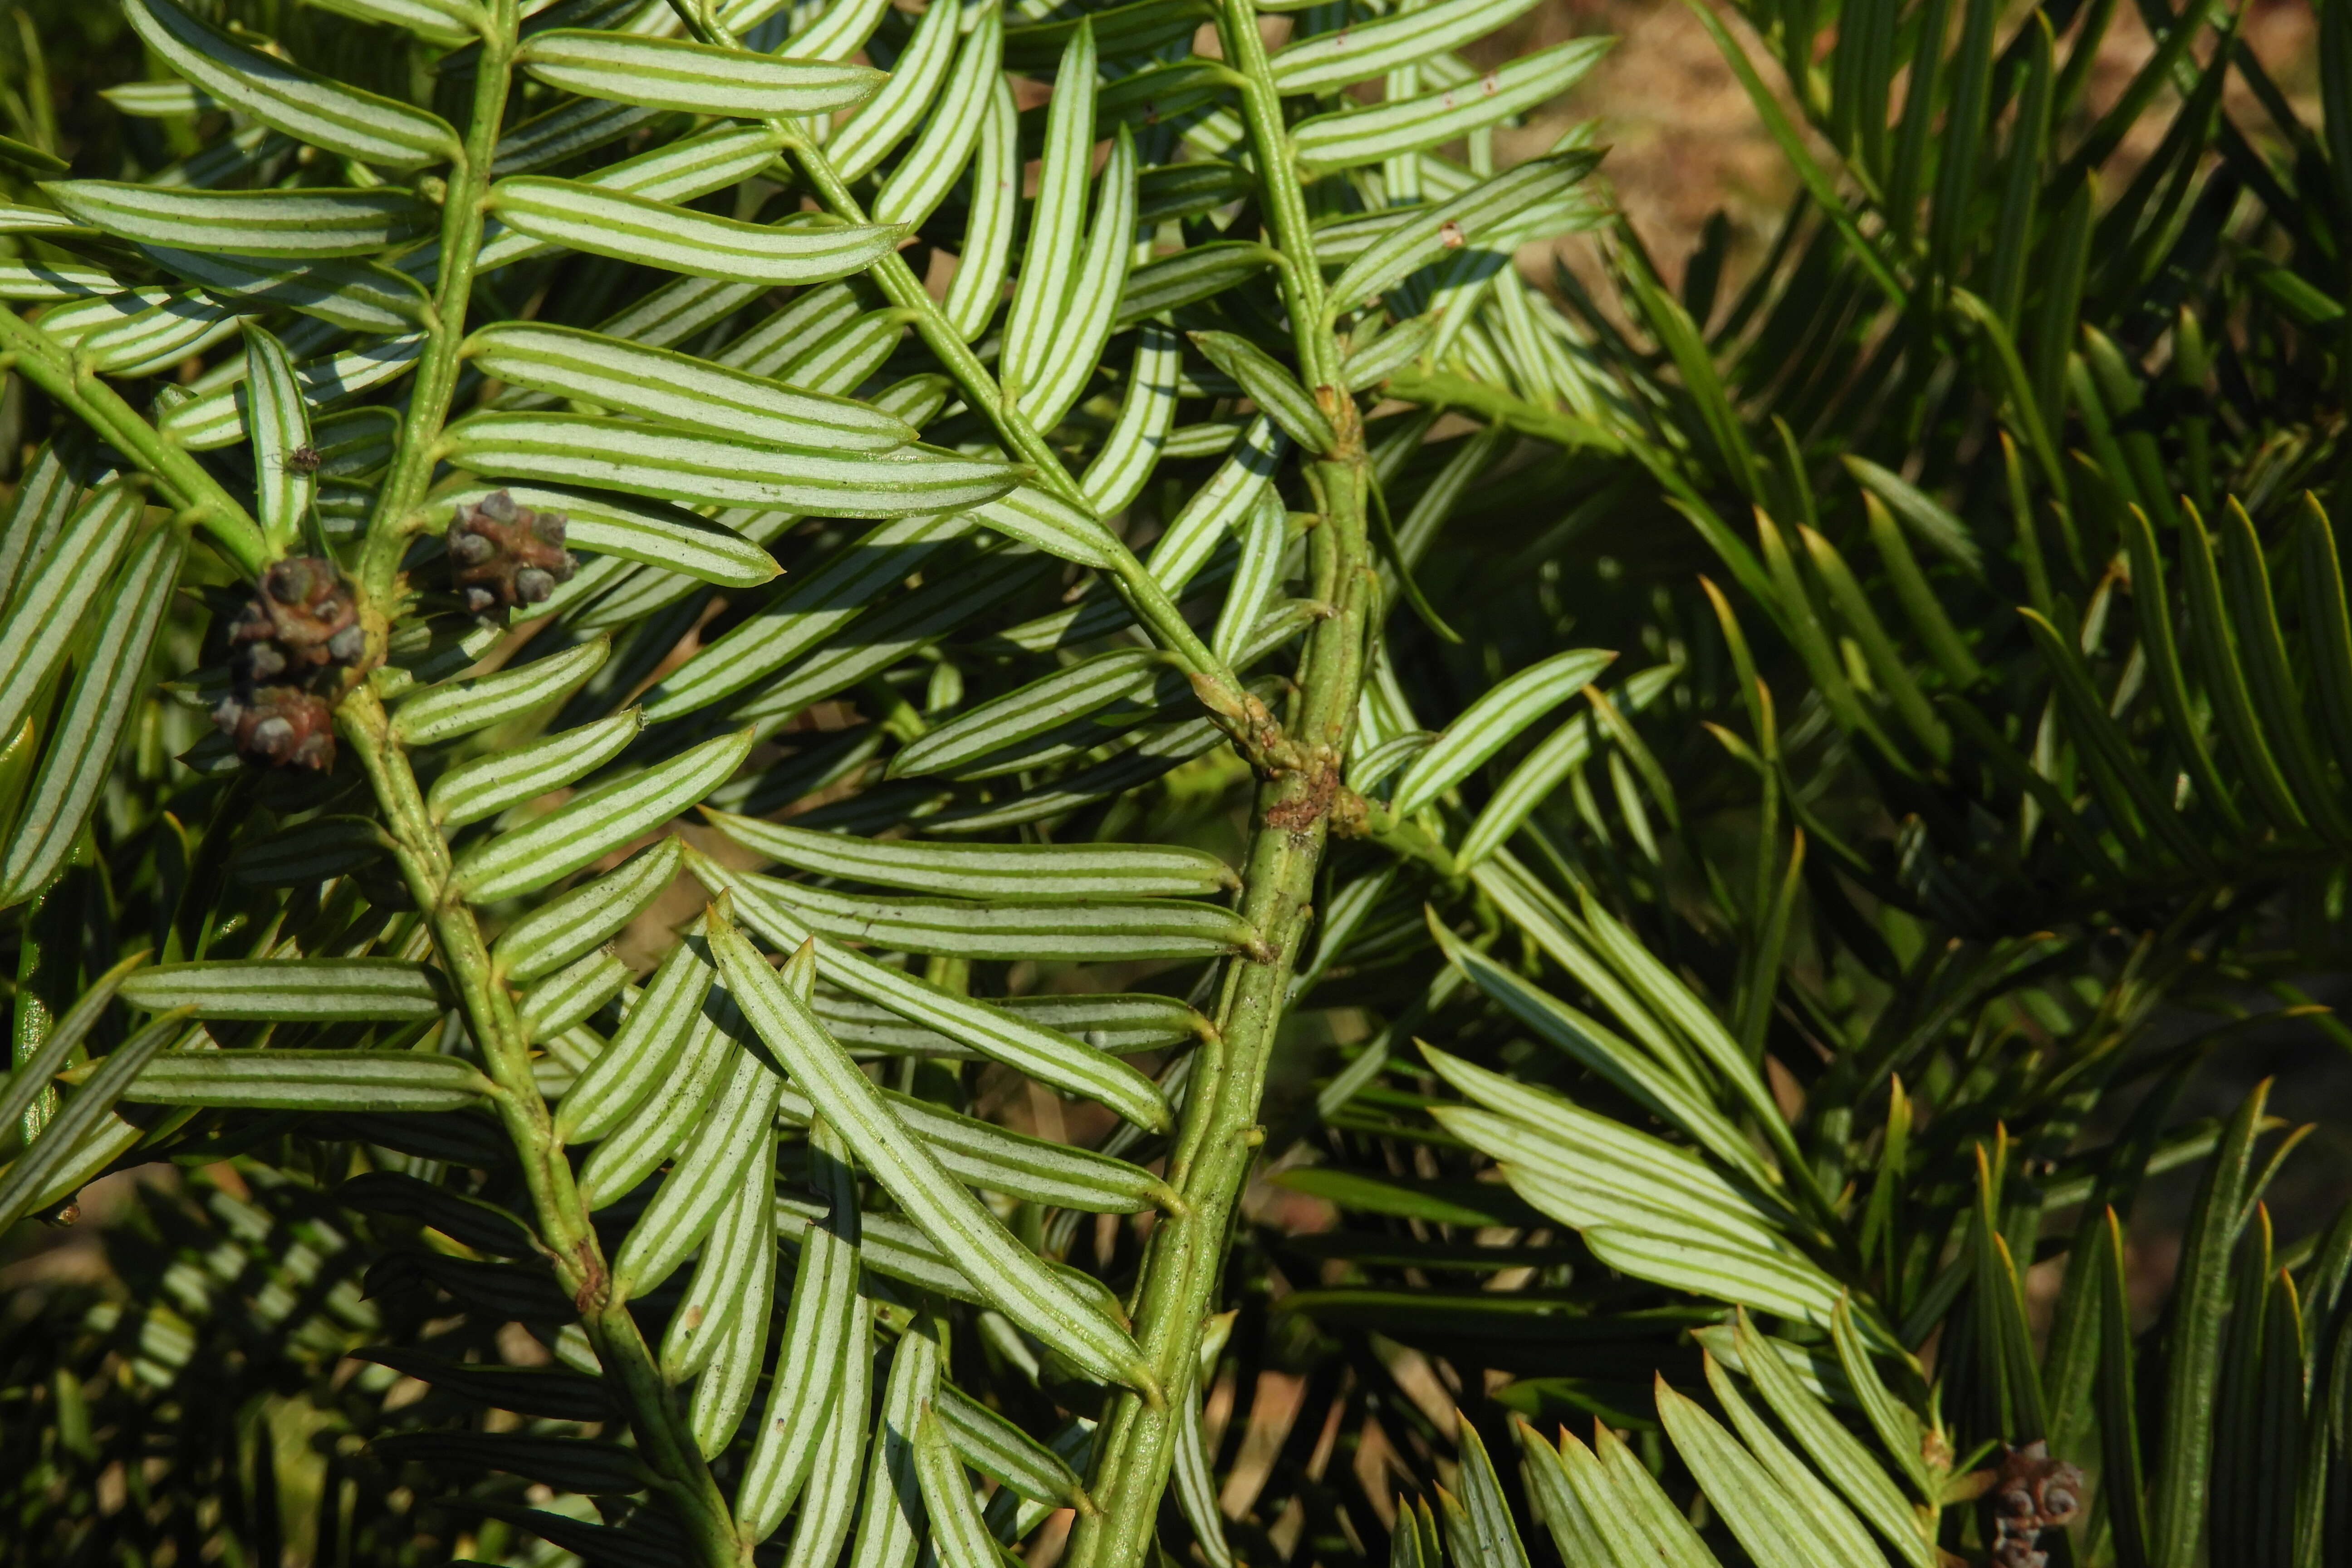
(533, 586)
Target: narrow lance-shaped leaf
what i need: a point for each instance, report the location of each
(1084, 323)
(663, 1119)
(593, 825)
(1428, 235)
(722, 470)
(821, 1332)
(830, 1505)
(301, 224)
(556, 933)
(976, 289)
(1366, 49)
(1016, 1282)
(63, 1141)
(958, 1535)
(1488, 725)
(725, 1151)
(923, 178)
(487, 786)
(987, 871)
(654, 232)
(312, 1080)
(58, 592)
(1270, 385)
(461, 707)
(693, 79)
(1000, 1034)
(890, 1527)
(725, 1390)
(278, 93)
(81, 750)
(677, 388)
(640, 1054)
(860, 142)
(1049, 261)
(1359, 136)
(601, 522)
(307, 990)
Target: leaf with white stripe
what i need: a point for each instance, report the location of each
(860, 142)
(1424, 234)
(735, 1139)
(59, 592)
(1136, 444)
(301, 224)
(312, 1080)
(1041, 707)
(929, 170)
(977, 287)
(891, 1525)
(1488, 725)
(1075, 347)
(677, 388)
(458, 708)
(488, 785)
(803, 248)
(1196, 273)
(282, 95)
(280, 426)
(1838, 1454)
(448, 23)
(653, 1030)
(1561, 753)
(731, 1376)
(1049, 523)
(1051, 257)
(820, 1334)
(556, 933)
(1360, 51)
(694, 79)
(358, 296)
(1036, 871)
(735, 1273)
(21, 280)
(1217, 506)
(1255, 578)
(660, 1122)
(1270, 385)
(80, 1129)
(1000, 1034)
(571, 995)
(593, 825)
(1354, 137)
(826, 1513)
(218, 418)
(983, 1154)
(1097, 931)
(672, 171)
(1015, 1280)
(600, 522)
(80, 756)
(1003, 1452)
(305, 990)
(1116, 1025)
(960, 1537)
(810, 608)
(720, 469)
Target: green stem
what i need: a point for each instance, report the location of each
(1219, 1137)
(201, 501)
(563, 1218)
(437, 370)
